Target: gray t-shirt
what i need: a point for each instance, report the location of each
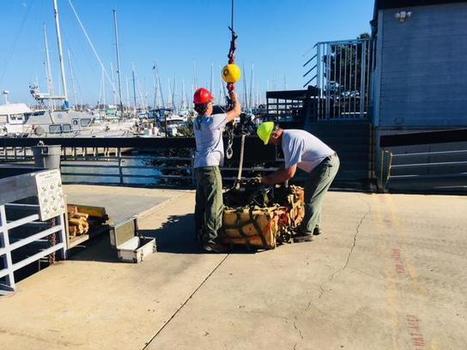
(303, 149)
(209, 143)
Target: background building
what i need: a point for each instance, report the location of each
(409, 75)
(420, 76)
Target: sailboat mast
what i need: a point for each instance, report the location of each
(127, 92)
(160, 89)
(250, 102)
(195, 78)
(245, 90)
(211, 81)
(104, 92)
(60, 51)
(182, 104)
(114, 93)
(134, 88)
(73, 87)
(48, 69)
(173, 97)
(117, 51)
(154, 80)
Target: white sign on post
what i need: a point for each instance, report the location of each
(50, 194)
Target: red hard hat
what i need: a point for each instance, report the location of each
(202, 96)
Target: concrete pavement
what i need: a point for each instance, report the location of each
(389, 273)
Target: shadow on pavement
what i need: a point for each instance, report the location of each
(97, 249)
(177, 235)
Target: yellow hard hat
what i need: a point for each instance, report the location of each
(231, 73)
(264, 131)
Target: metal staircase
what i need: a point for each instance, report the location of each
(341, 72)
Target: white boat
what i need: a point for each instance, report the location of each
(44, 123)
(12, 118)
(173, 122)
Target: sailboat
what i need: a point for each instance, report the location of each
(65, 121)
(53, 121)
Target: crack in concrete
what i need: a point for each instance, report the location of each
(299, 333)
(321, 292)
(357, 231)
(298, 330)
(354, 243)
(185, 302)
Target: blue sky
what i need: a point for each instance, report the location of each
(176, 34)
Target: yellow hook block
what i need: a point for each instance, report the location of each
(231, 73)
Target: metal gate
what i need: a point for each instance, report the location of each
(341, 70)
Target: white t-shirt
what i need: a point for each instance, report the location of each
(209, 144)
(303, 149)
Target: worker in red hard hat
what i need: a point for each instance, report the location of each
(209, 156)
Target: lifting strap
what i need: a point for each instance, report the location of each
(240, 165)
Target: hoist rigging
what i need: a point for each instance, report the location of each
(231, 74)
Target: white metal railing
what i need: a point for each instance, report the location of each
(27, 233)
(341, 70)
(419, 171)
(93, 165)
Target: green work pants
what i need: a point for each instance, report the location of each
(316, 187)
(209, 203)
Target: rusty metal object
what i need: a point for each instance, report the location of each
(52, 241)
(262, 217)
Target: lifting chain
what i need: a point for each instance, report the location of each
(230, 138)
(231, 86)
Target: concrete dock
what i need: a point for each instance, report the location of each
(388, 273)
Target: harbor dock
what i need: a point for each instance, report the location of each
(324, 163)
(388, 272)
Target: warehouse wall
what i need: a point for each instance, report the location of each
(421, 68)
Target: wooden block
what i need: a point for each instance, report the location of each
(74, 221)
(72, 230)
(91, 211)
(81, 215)
(71, 209)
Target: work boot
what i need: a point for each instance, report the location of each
(317, 231)
(303, 237)
(213, 247)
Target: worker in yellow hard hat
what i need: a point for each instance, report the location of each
(304, 151)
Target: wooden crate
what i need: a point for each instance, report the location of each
(264, 228)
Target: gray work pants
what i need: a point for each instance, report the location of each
(209, 203)
(316, 187)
